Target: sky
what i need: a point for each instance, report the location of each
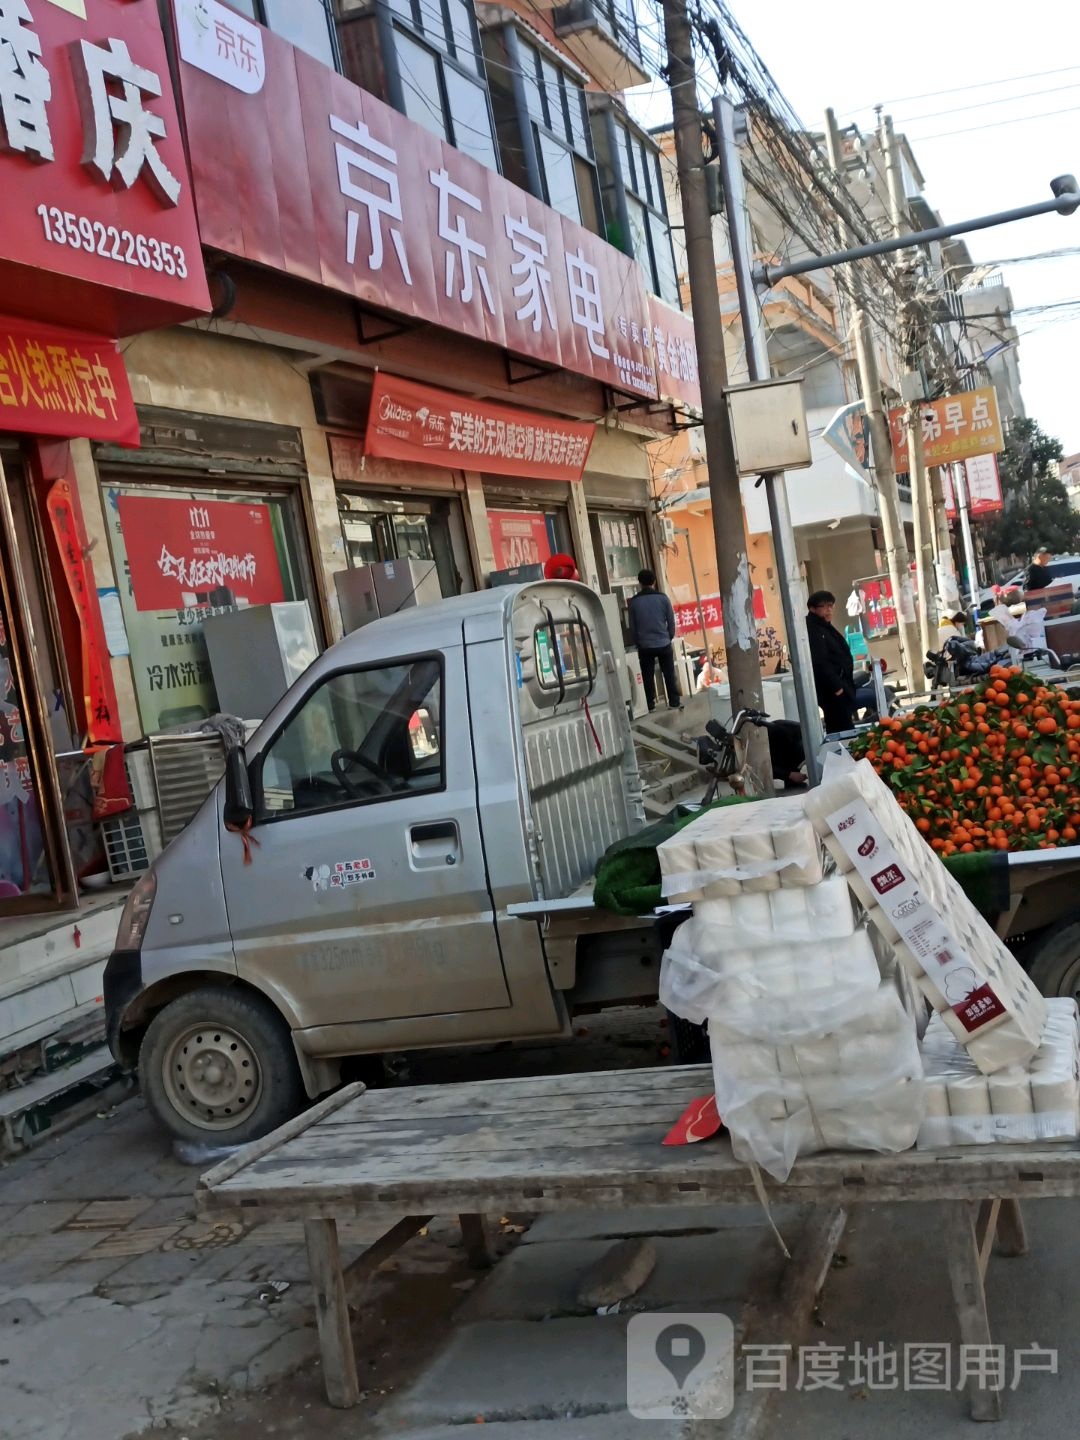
(923, 63)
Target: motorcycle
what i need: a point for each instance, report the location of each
(959, 660)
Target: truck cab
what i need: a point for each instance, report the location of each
(389, 865)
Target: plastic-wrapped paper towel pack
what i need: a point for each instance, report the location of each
(962, 967)
(1016, 1105)
(813, 1046)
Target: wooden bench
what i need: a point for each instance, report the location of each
(591, 1141)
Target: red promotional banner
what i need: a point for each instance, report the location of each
(434, 427)
(101, 720)
(518, 537)
(300, 170)
(183, 553)
(99, 220)
(56, 382)
(688, 617)
(983, 487)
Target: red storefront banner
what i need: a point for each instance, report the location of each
(983, 487)
(98, 214)
(57, 382)
(183, 553)
(688, 617)
(675, 355)
(434, 427)
(518, 537)
(101, 718)
(298, 169)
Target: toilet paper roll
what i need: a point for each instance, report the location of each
(838, 854)
(814, 1058)
(789, 911)
(752, 851)
(1060, 1096)
(798, 844)
(1010, 1093)
(828, 907)
(715, 855)
(753, 1063)
(714, 911)
(937, 1099)
(677, 861)
(968, 1095)
(853, 961)
(868, 1055)
(752, 916)
(862, 892)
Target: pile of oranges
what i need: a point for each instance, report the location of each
(998, 768)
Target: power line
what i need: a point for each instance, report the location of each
(982, 104)
(963, 89)
(993, 125)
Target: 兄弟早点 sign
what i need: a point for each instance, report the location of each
(98, 214)
(955, 427)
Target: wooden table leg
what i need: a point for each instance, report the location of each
(1012, 1237)
(332, 1313)
(965, 1272)
(477, 1240)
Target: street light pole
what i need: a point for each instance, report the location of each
(697, 591)
(792, 587)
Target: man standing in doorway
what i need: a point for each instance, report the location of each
(834, 668)
(652, 630)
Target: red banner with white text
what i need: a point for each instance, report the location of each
(434, 427)
(688, 618)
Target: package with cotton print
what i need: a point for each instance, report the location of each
(733, 850)
(983, 995)
(1038, 1100)
(854, 1085)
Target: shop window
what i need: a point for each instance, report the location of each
(635, 206)
(307, 24)
(182, 555)
(363, 735)
(376, 529)
(435, 69)
(528, 537)
(621, 547)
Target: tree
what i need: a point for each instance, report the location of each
(1037, 506)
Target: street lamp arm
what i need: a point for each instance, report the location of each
(1066, 201)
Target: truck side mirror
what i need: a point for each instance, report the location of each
(239, 807)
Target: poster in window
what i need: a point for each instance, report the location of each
(519, 537)
(199, 552)
(169, 660)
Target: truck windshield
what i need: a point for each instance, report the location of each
(362, 735)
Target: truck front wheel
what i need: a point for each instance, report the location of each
(217, 1066)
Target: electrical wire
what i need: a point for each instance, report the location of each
(963, 89)
(994, 125)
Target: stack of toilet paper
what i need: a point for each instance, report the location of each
(813, 1047)
(857, 1086)
(1021, 1103)
(749, 849)
(975, 984)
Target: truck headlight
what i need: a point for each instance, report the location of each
(136, 913)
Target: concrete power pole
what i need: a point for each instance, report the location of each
(896, 551)
(732, 562)
(921, 493)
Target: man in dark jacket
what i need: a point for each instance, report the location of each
(652, 630)
(1038, 575)
(834, 669)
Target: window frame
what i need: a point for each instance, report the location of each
(256, 767)
(389, 21)
(625, 141)
(260, 17)
(565, 685)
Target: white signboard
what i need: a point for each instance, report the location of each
(222, 43)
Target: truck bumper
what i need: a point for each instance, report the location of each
(122, 982)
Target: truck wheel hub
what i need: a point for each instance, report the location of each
(212, 1076)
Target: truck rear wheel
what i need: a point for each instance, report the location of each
(1054, 961)
(217, 1067)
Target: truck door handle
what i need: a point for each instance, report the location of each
(434, 844)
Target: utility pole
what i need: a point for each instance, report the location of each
(732, 562)
(960, 487)
(896, 551)
(922, 501)
(792, 589)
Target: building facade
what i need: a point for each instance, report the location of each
(430, 315)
